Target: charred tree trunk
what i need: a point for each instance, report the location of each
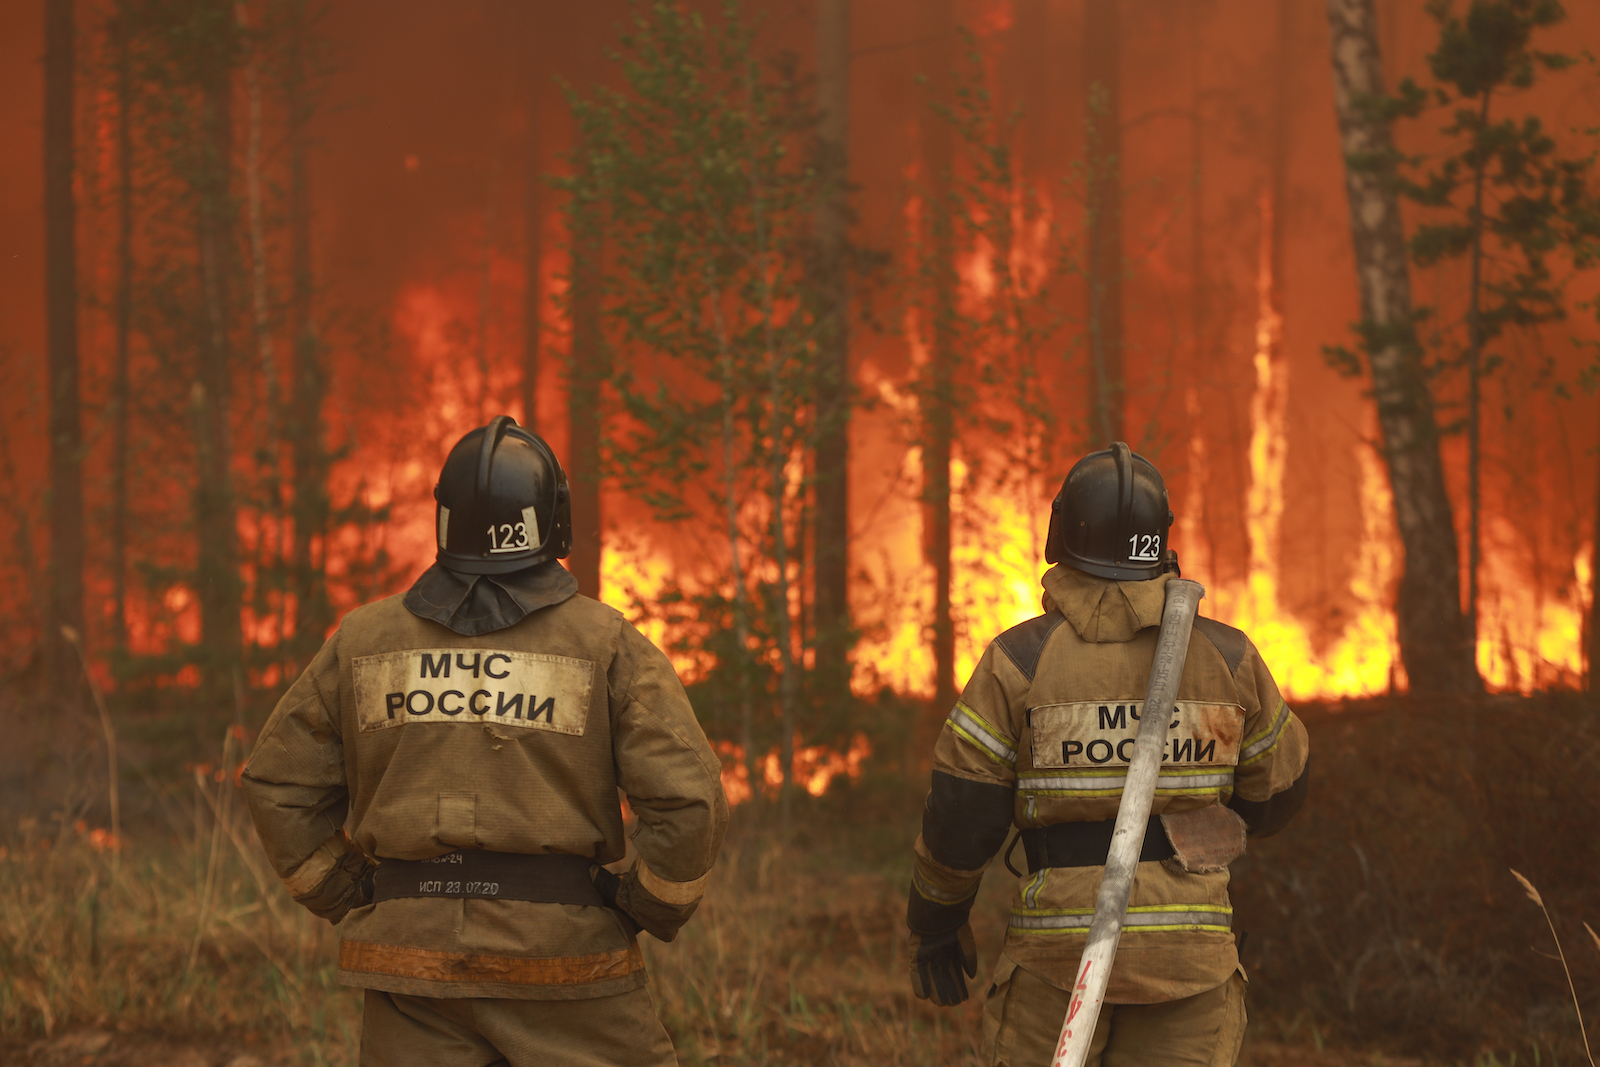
(309, 461)
(585, 375)
(1282, 137)
(1031, 45)
(1475, 343)
(218, 566)
(61, 300)
(1102, 45)
(121, 391)
(271, 558)
(533, 212)
(1593, 648)
(831, 285)
(1435, 644)
(1196, 491)
(939, 395)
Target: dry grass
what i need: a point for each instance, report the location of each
(1382, 924)
(1385, 914)
(166, 935)
(786, 964)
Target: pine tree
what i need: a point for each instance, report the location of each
(696, 175)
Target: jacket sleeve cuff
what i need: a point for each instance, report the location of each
(660, 906)
(1264, 818)
(332, 880)
(928, 917)
(678, 893)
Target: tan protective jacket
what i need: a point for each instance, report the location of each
(422, 741)
(1050, 713)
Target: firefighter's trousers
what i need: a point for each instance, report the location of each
(616, 1031)
(1023, 1015)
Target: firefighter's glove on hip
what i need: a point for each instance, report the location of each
(348, 885)
(642, 909)
(608, 884)
(937, 962)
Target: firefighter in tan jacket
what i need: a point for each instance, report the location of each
(442, 783)
(1041, 739)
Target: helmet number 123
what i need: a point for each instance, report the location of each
(1144, 546)
(507, 537)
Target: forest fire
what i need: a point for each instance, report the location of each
(973, 370)
(815, 303)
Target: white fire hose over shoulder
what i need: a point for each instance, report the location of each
(1133, 816)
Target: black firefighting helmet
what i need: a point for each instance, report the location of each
(1111, 517)
(503, 501)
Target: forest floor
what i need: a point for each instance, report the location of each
(1385, 927)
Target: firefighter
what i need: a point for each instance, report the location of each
(442, 784)
(1042, 738)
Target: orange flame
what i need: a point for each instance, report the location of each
(1360, 661)
(815, 768)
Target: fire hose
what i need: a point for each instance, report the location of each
(1133, 815)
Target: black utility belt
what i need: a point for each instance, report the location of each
(477, 874)
(1086, 844)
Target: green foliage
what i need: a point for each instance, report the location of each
(1503, 202)
(999, 319)
(695, 178)
(1504, 198)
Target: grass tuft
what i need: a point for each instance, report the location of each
(1577, 1006)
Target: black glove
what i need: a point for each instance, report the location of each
(607, 885)
(937, 961)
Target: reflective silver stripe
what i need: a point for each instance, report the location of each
(1254, 750)
(970, 725)
(939, 896)
(1110, 783)
(1030, 895)
(1186, 915)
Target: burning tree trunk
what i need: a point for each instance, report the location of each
(1593, 649)
(61, 297)
(831, 287)
(121, 392)
(1034, 60)
(1197, 528)
(1435, 644)
(218, 568)
(938, 392)
(1102, 44)
(584, 376)
(533, 210)
(309, 386)
(270, 558)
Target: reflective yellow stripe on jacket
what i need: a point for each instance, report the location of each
(982, 735)
(1261, 745)
(1176, 782)
(1148, 918)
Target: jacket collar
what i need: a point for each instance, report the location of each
(475, 604)
(1101, 609)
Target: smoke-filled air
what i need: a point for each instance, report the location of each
(815, 303)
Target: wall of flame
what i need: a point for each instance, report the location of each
(1283, 507)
